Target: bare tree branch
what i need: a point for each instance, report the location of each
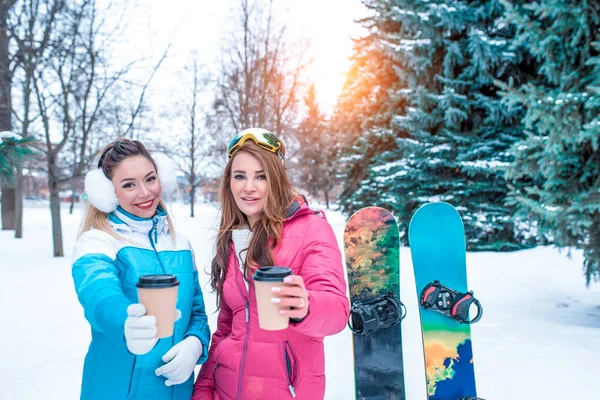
(145, 87)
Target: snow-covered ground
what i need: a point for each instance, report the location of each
(539, 337)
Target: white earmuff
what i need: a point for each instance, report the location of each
(101, 191)
(166, 170)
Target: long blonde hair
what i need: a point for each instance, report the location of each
(111, 156)
(266, 231)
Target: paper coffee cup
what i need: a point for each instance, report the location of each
(268, 312)
(158, 293)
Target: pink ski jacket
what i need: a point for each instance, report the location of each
(246, 362)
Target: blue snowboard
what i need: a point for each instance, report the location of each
(437, 244)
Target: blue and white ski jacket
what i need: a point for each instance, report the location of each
(105, 271)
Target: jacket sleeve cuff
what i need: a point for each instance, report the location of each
(204, 339)
(323, 323)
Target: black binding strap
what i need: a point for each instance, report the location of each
(381, 312)
(453, 304)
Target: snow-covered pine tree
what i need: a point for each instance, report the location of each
(362, 113)
(318, 152)
(12, 149)
(561, 153)
(450, 134)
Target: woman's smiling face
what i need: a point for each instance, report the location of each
(248, 185)
(137, 186)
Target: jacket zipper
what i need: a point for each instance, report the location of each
(245, 348)
(290, 363)
(153, 242)
(132, 376)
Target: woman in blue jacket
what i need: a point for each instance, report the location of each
(126, 233)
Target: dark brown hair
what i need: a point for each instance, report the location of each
(267, 231)
(114, 153)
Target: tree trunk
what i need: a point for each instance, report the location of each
(8, 206)
(72, 205)
(192, 200)
(8, 191)
(326, 194)
(19, 202)
(57, 239)
(19, 178)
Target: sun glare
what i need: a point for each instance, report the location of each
(329, 26)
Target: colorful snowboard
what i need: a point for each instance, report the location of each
(437, 243)
(372, 252)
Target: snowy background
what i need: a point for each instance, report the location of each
(539, 337)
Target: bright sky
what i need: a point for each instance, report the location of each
(329, 24)
(197, 25)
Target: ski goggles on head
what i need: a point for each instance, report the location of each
(263, 139)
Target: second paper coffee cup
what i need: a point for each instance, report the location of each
(158, 293)
(268, 312)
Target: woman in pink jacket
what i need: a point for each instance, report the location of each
(266, 222)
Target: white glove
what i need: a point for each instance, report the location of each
(181, 360)
(140, 330)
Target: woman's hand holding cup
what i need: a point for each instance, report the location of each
(280, 296)
(140, 330)
(292, 297)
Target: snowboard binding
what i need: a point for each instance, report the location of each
(453, 304)
(381, 312)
